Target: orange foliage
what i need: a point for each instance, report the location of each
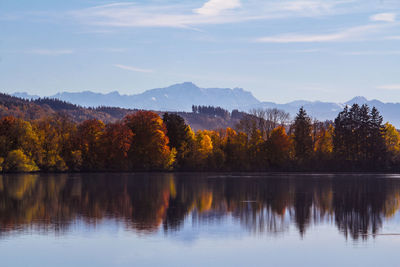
(117, 141)
(149, 149)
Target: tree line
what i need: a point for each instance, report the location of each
(211, 111)
(264, 140)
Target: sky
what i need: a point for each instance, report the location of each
(280, 50)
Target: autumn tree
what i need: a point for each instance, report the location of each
(149, 149)
(51, 143)
(116, 143)
(235, 149)
(18, 161)
(278, 147)
(89, 137)
(217, 158)
(19, 138)
(323, 139)
(392, 142)
(66, 130)
(257, 151)
(202, 151)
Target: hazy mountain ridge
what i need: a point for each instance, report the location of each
(178, 97)
(181, 97)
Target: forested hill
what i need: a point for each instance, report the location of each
(45, 107)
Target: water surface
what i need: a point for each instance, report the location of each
(199, 220)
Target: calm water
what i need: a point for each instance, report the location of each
(199, 220)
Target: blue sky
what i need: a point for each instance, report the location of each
(280, 50)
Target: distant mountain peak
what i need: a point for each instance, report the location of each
(114, 93)
(25, 95)
(357, 100)
(188, 85)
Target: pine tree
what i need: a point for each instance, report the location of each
(302, 135)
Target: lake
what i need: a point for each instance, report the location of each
(189, 219)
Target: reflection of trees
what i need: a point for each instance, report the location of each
(144, 202)
(360, 204)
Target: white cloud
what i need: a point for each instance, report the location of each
(313, 6)
(133, 15)
(210, 13)
(131, 68)
(387, 17)
(49, 52)
(215, 7)
(354, 33)
(393, 87)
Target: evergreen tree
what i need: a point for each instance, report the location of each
(181, 137)
(178, 131)
(359, 137)
(378, 151)
(302, 135)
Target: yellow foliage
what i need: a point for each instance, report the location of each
(19, 162)
(324, 142)
(190, 132)
(392, 138)
(204, 143)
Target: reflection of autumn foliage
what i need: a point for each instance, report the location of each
(146, 202)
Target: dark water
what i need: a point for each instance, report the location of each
(199, 220)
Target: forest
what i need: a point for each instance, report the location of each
(262, 140)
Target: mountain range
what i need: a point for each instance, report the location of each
(181, 97)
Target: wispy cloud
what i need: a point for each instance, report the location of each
(211, 12)
(309, 6)
(387, 17)
(354, 33)
(134, 15)
(50, 52)
(393, 38)
(393, 87)
(9, 17)
(215, 7)
(132, 68)
(113, 50)
(373, 53)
